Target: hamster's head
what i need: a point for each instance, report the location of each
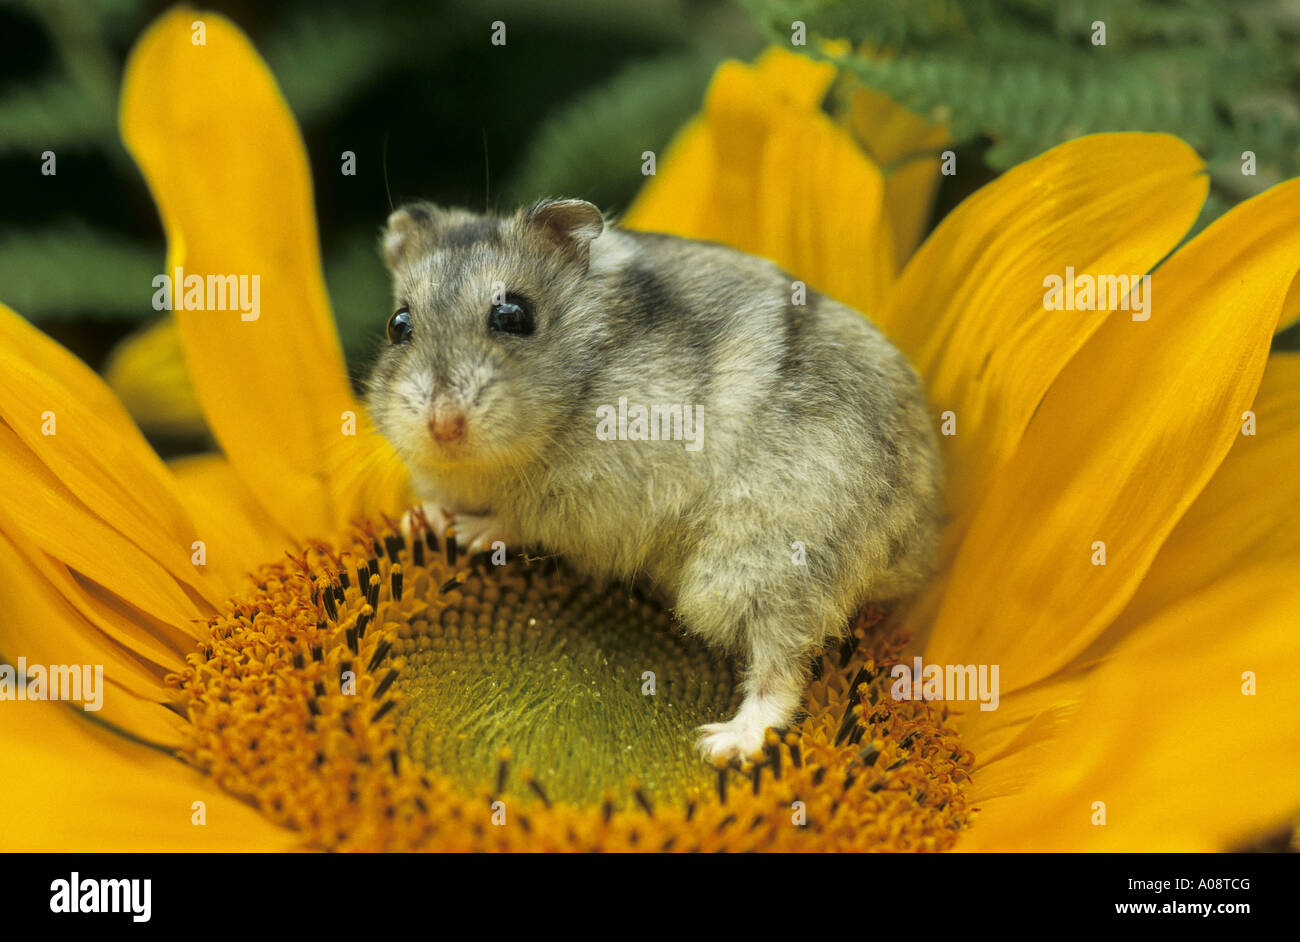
(490, 335)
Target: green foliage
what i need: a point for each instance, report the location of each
(321, 57)
(560, 108)
(360, 293)
(73, 270)
(591, 146)
(56, 113)
(1026, 75)
(72, 102)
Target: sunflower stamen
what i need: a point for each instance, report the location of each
(796, 755)
(454, 582)
(641, 799)
(503, 770)
(445, 679)
(381, 652)
(772, 750)
(535, 787)
(331, 606)
(846, 725)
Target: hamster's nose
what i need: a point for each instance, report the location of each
(447, 425)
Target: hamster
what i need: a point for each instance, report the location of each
(799, 479)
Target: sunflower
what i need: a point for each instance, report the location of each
(288, 668)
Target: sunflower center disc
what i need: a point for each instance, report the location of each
(382, 695)
(587, 688)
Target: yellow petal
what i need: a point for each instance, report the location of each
(1166, 737)
(237, 535)
(226, 165)
(1243, 518)
(1123, 442)
(82, 787)
(727, 178)
(969, 307)
(1009, 741)
(82, 482)
(146, 371)
(42, 509)
(797, 80)
(906, 147)
(94, 539)
(366, 474)
(673, 199)
(1291, 309)
(49, 620)
(238, 538)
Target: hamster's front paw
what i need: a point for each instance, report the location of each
(474, 532)
(413, 521)
(477, 532)
(739, 739)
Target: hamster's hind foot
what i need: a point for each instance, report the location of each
(736, 739)
(741, 737)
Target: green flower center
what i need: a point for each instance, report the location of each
(586, 688)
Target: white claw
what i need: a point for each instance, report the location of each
(741, 738)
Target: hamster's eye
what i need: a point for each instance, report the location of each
(399, 326)
(513, 316)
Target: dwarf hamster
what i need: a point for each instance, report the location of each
(656, 407)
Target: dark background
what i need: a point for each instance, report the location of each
(429, 107)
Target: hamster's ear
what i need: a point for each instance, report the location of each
(569, 225)
(402, 228)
